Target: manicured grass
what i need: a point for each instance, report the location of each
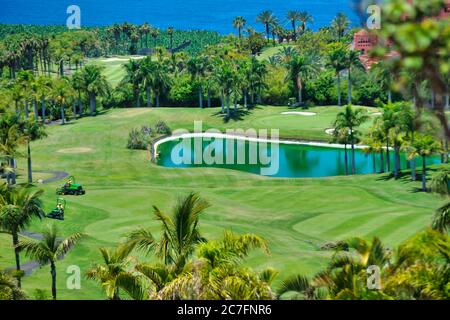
(113, 67)
(271, 51)
(295, 215)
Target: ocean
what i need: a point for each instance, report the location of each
(182, 14)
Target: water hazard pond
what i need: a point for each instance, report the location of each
(284, 160)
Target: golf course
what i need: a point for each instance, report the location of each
(122, 186)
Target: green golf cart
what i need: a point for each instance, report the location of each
(58, 212)
(71, 188)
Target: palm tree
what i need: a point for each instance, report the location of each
(154, 33)
(133, 76)
(197, 68)
(219, 275)
(145, 30)
(44, 88)
(397, 137)
(170, 33)
(224, 77)
(299, 287)
(32, 131)
(49, 250)
(342, 136)
(62, 93)
(239, 23)
(18, 206)
(180, 232)
(305, 18)
(352, 61)
(336, 60)
(301, 68)
(383, 74)
(340, 24)
(147, 73)
(95, 84)
(423, 146)
(266, 18)
(113, 274)
(78, 86)
(441, 219)
(351, 119)
(293, 16)
(10, 139)
(9, 289)
(161, 81)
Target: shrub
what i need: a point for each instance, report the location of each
(162, 128)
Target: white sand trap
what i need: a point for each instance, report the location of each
(298, 113)
(75, 150)
(376, 114)
(122, 59)
(330, 131)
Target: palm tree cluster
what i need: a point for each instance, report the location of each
(19, 206)
(45, 98)
(188, 266)
(230, 77)
(363, 270)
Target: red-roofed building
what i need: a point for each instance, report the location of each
(364, 41)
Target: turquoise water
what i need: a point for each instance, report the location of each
(295, 161)
(182, 14)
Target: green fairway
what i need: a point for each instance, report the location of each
(296, 216)
(113, 67)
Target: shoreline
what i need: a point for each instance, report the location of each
(158, 141)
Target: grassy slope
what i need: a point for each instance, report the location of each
(295, 215)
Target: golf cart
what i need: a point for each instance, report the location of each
(71, 188)
(58, 212)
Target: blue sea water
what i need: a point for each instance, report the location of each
(214, 15)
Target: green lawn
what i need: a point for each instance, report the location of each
(113, 67)
(294, 215)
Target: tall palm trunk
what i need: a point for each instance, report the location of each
(157, 100)
(200, 97)
(346, 159)
(413, 162)
(222, 100)
(209, 98)
(245, 99)
(74, 108)
(92, 103)
(388, 156)
(53, 273)
(349, 93)
(228, 105)
(149, 97)
(35, 110)
(63, 118)
(352, 140)
(339, 88)
(374, 163)
(30, 174)
(27, 112)
(382, 168)
(43, 109)
(424, 173)
(15, 239)
(396, 162)
(80, 104)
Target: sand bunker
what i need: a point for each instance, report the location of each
(75, 150)
(122, 59)
(330, 131)
(376, 114)
(307, 114)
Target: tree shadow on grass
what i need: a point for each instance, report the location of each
(235, 115)
(405, 178)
